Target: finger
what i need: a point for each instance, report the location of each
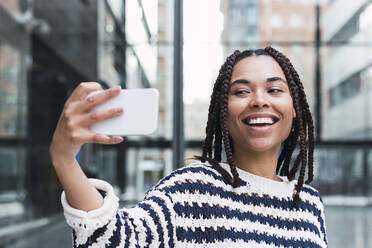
(87, 120)
(83, 89)
(94, 100)
(83, 136)
(104, 139)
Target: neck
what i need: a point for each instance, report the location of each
(259, 163)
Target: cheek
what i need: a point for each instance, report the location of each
(286, 107)
(233, 111)
(236, 106)
(287, 110)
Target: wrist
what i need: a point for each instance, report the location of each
(60, 152)
(60, 159)
(62, 162)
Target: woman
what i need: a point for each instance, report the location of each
(258, 105)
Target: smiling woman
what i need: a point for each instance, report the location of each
(253, 85)
(258, 105)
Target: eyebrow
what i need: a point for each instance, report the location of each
(268, 80)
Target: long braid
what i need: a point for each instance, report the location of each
(282, 155)
(207, 147)
(218, 139)
(292, 140)
(302, 158)
(214, 127)
(223, 119)
(310, 124)
(288, 148)
(311, 150)
(308, 118)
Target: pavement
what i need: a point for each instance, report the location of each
(54, 235)
(349, 227)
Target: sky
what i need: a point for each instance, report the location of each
(203, 24)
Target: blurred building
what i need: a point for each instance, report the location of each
(348, 84)
(15, 57)
(46, 49)
(347, 77)
(241, 24)
(149, 59)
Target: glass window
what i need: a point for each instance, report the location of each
(252, 16)
(9, 169)
(109, 48)
(12, 91)
(236, 16)
(20, 9)
(144, 168)
(12, 183)
(202, 59)
(149, 63)
(346, 89)
(296, 20)
(344, 176)
(276, 20)
(365, 20)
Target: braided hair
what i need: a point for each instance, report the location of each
(302, 127)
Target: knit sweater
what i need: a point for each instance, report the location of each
(196, 207)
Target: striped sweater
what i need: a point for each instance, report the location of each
(196, 207)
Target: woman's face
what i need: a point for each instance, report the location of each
(260, 109)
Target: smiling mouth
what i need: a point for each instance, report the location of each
(260, 124)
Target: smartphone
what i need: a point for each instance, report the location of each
(140, 117)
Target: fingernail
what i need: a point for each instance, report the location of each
(90, 98)
(119, 110)
(116, 88)
(118, 139)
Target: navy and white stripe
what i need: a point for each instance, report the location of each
(196, 207)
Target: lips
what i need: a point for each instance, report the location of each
(260, 120)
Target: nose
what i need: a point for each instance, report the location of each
(258, 100)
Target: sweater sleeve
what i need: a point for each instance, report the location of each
(149, 224)
(323, 222)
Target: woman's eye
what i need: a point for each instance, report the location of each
(275, 90)
(241, 92)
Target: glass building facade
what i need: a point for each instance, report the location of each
(47, 47)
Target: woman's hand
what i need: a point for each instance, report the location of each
(73, 126)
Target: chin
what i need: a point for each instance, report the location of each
(262, 146)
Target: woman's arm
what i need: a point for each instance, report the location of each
(151, 223)
(71, 133)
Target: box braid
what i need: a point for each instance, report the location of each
(217, 130)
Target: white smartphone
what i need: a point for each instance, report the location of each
(140, 115)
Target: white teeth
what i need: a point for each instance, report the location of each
(261, 121)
